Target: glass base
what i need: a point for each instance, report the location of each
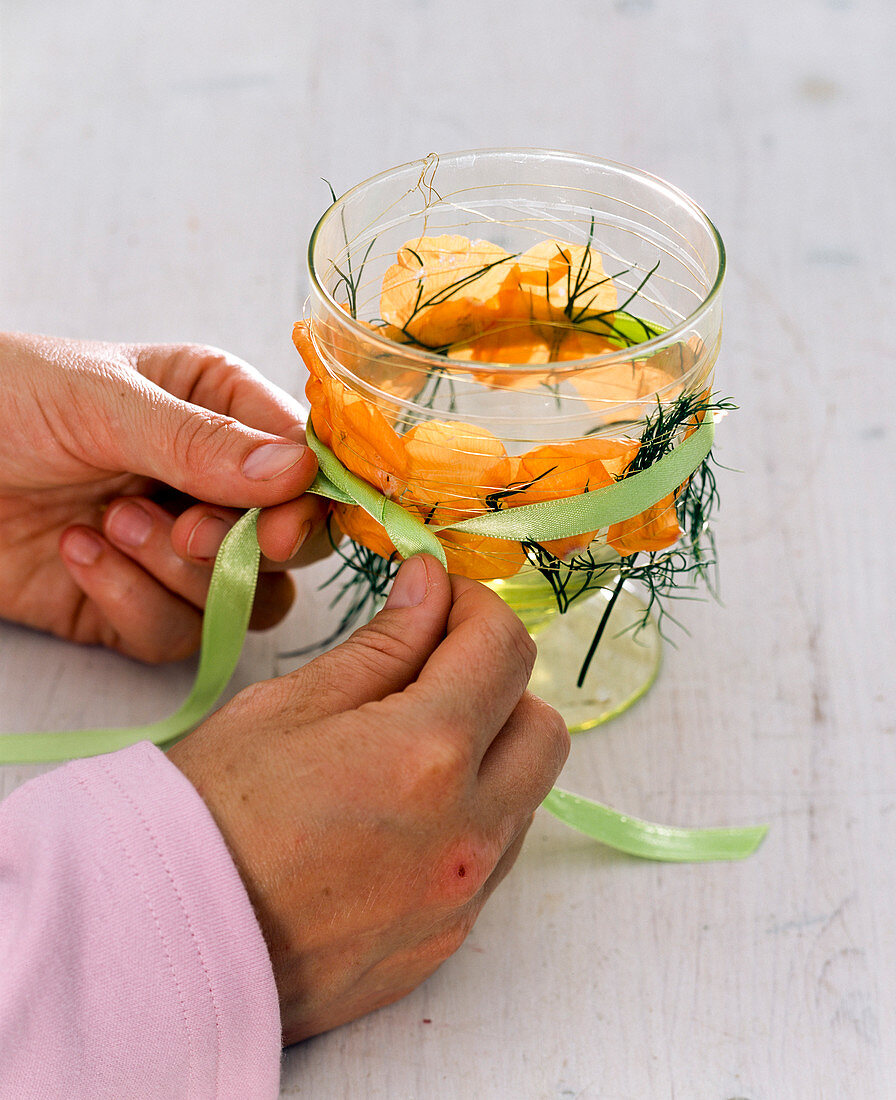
(623, 668)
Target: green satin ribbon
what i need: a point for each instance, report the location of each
(644, 839)
(227, 611)
(542, 522)
(232, 591)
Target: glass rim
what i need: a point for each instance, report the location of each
(666, 338)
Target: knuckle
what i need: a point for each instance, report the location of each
(438, 772)
(177, 648)
(249, 698)
(554, 731)
(447, 941)
(513, 642)
(200, 438)
(379, 652)
(371, 663)
(321, 686)
(557, 731)
(295, 698)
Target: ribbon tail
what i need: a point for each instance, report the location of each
(228, 608)
(646, 840)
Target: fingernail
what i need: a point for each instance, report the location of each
(300, 541)
(410, 585)
(128, 523)
(206, 538)
(82, 547)
(271, 460)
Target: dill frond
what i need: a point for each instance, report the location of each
(673, 573)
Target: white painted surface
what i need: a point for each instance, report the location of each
(160, 176)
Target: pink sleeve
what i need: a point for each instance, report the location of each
(131, 962)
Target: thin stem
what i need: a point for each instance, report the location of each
(599, 633)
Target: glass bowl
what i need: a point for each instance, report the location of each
(498, 327)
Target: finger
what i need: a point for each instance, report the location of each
(384, 656)
(142, 530)
(288, 534)
(475, 678)
(295, 533)
(137, 615)
(140, 427)
(521, 764)
(504, 864)
(224, 383)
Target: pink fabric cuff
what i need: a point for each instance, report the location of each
(131, 962)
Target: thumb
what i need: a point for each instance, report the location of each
(385, 655)
(205, 454)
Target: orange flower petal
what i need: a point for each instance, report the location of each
(481, 558)
(316, 390)
(362, 527)
(353, 428)
(365, 442)
(443, 289)
(619, 383)
(532, 315)
(454, 466)
(654, 529)
(505, 342)
(558, 283)
(560, 470)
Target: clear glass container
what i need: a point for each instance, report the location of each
(449, 430)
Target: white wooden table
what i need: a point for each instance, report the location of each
(160, 176)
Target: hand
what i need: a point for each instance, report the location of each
(375, 798)
(88, 433)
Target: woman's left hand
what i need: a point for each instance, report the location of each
(121, 469)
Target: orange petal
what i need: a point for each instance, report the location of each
(575, 343)
(654, 529)
(556, 281)
(481, 558)
(353, 428)
(506, 342)
(534, 317)
(363, 528)
(454, 466)
(443, 289)
(560, 470)
(365, 442)
(620, 383)
(316, 388)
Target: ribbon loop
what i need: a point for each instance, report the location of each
(409, 534)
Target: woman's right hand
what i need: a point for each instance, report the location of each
(374, 799)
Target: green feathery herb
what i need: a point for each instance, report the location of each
(672, 573)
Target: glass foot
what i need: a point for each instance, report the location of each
(623, 668)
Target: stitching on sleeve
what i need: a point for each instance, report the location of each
(189, 923)
(123, 848)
